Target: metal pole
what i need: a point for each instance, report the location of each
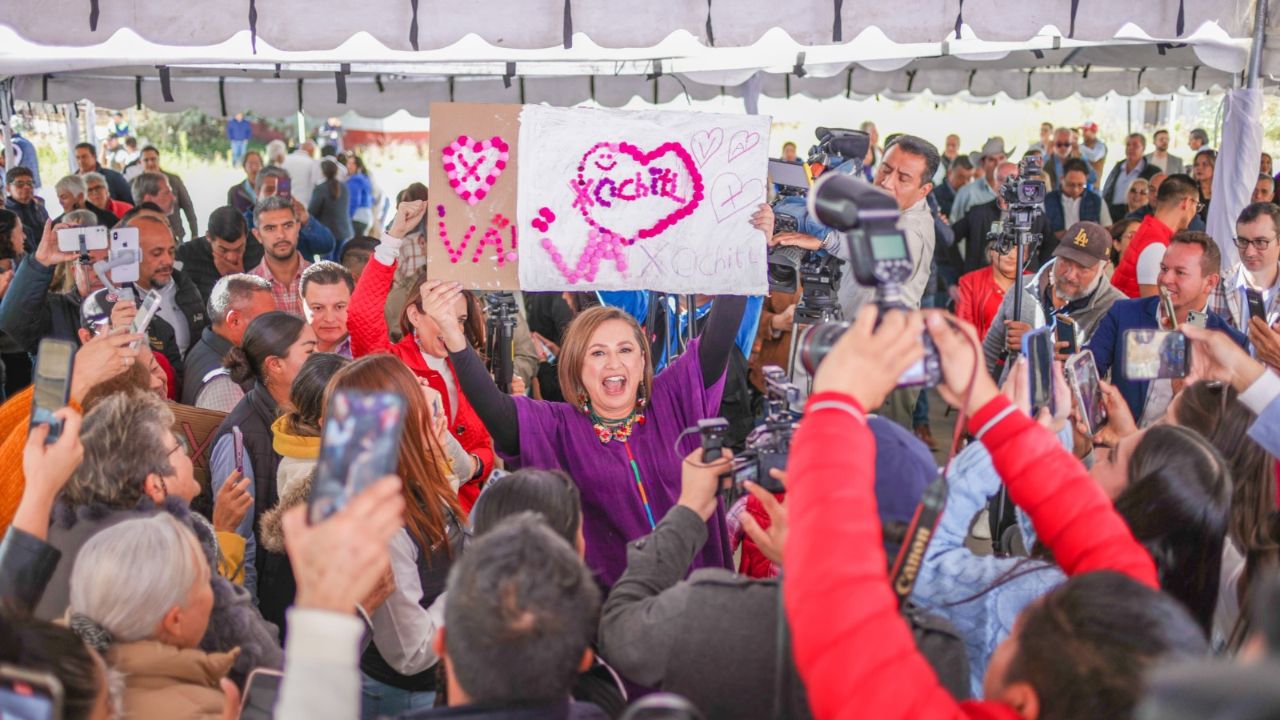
(1254, 70)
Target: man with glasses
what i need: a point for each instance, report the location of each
(1060, 152)
(1177, 203)
(1258, 269)
(21, 188)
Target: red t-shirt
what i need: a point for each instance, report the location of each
(979, 300)
(1125, 278)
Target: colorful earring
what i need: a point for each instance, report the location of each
(584, 403)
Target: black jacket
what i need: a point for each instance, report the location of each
(973, 229)
(254, 414)
(196, 257)
(116, 185)
(33, 216)
(105, 218)
(190, 303)
(1118, 210)
(26, 566)
(680, 636)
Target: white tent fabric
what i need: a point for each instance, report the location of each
(300, 25)
(1236, 171)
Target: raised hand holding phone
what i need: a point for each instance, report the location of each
(47, 467)
(360, 442)
(232, 503)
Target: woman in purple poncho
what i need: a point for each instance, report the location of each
(617, 439)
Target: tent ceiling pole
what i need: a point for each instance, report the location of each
(73, 135)
(1254, 69)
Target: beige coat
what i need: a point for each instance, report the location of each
(162, 681)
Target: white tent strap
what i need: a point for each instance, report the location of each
(325, 24)
(372, 97)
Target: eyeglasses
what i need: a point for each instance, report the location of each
(1261, 244)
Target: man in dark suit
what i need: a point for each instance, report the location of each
(975, 225)
(1189, 272)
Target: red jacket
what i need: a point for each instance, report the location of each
(979, 300)
(367, 323)
(851, 647)
(1125, 278)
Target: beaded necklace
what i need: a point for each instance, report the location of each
(620, 430)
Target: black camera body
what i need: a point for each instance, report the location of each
(1024, 197)
(500, 325)
(867, 217)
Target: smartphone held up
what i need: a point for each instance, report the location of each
(359, 444)
(52, 385)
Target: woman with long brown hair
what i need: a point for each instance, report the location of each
(399, 665)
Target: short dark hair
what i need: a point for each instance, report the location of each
(227, 223)
(1212, 261)
(46, 647)
(326, 272)
(962, 162)
(550, 493)
(1138, 135)
(357, 244)
(1102, 631)
(87, 146)
(1201, 134)
(1075, 165)
(521, 610)
(1176, 188)
(788, 144)
(17, 172)
(1161, 131)
(152, 148)
(919, 147)
(1259, 209)
(307, 393)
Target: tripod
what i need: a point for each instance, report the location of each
(500, 326)
(809, 311)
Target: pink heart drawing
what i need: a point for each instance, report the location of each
(474, 166)
(633, 194)
(705, 144)
(741, 142)
(729, 195)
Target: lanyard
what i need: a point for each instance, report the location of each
(644, 497)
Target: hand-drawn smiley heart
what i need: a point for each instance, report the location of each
(634, 194)
(474, 166)
(741, 142)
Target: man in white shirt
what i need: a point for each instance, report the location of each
(1258, 269)
(304, 170)
(1160, 157)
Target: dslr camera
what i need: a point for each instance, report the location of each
(867, 218)
(838, 151)
(769, 444)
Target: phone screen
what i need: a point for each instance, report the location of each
(52, 384)
(260, 693)
(359, 444)
(284, 187)
(1082, 374)
(1155, 354)
(95, 238)
(1065, 328)
(1256, 307)
(29, 696)
(788, 174)
(1038, 348)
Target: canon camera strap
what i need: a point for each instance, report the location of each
(906, 566)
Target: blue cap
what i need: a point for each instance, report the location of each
(904, 468)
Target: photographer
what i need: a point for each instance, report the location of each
(678, 635)
(1072, 284)
(1079, 652)
(977, 224)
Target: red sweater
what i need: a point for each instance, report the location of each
(367, 323)
(1125, 278)
(852, 649)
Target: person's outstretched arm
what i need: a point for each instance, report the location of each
(718, 337)
(497, 410)
(366, 315)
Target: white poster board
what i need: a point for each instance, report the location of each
(655, 200)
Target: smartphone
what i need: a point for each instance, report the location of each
(141, 321)
(51, 385)
(94, 236)
(238, 438)
(124, 248)
(1257, 309)
(284, 187)
(1155, 354)
(1167, 303)
(1197, 318)
(359, 444)
(1082, 375)
(260, 693)
(27, 695)
(1065, 330)
(789, 174)
(1038, 349)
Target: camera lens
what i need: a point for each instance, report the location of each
(818, 341)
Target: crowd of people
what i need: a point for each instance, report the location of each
(562, 547)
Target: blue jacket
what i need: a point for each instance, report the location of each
(1090, 209)
(1107, 340)
(239, 129)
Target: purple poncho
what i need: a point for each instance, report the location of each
(559, 436)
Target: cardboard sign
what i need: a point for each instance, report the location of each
(471, 230)
(617, 200)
